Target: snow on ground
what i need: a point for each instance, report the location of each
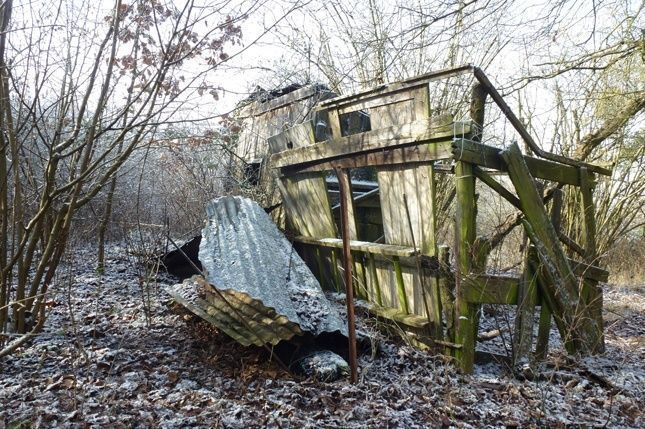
(105, 364)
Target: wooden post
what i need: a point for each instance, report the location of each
(591, 293)
(467, 314)
(526, 299)
(478, 116)
(544, 327)
(465, 236)
(447, 290)
(346, 200)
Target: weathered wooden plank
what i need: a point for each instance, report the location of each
(397, 99)
(292, 97)
(401, 292)
(297, 136)
(591, 293)
(395, 314)
(410, 134)
(307, 205)
(524, 318)
(421, 154)
(407, 208)
(373, 280)
(416, 187)
(407, 204)
(361, 246)
(562, 293)
(490, 289)
(489, 157)
(404, 85)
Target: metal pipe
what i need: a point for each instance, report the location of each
(345, 199)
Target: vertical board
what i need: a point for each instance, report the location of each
(307, 205)
(408, 205)
(305, 196)
(413, 186)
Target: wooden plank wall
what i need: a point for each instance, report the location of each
(406, 194)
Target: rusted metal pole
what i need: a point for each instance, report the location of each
(345, 199)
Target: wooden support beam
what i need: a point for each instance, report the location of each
(544, 328)
(413, 155)
(580, 333)
(524, 318)
(419, 132)
(361, 246)
(490, 289)
(489, 157)
(465, 230)
(591, 292)
(496, 186)
(479, 255)
(521, 129)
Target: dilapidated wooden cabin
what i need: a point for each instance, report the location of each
(385, 152)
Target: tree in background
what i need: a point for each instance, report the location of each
(81, 89)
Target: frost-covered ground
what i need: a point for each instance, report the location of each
(104, 365)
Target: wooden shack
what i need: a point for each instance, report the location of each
(399, 267)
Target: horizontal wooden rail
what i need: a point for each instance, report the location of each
(361, 246)
(490, 289)
(411, 320)
(390, 88)
(496, 289)
(411, 155)
(489, 157)
(411, 134)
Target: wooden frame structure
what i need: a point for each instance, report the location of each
(407, 276)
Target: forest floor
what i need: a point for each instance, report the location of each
(109, 358)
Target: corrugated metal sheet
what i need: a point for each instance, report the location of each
(260, 324)
(256, 269)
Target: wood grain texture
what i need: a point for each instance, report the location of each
(409, 134)
(578, 329)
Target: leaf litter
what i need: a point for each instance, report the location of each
(107, 365)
